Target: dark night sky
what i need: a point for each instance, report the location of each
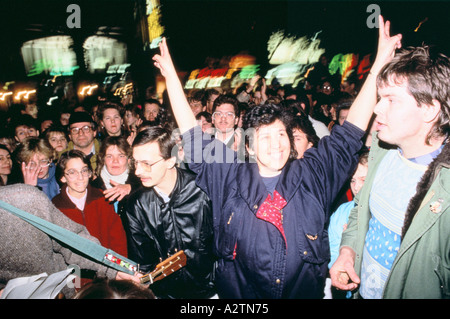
(197, 29)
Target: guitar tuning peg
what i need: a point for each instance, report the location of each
(176, 250)
(160, 259)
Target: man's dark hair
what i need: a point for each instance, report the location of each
(304, 124)
(157, 134)
(23, 120)
(206, 115)
(207, 95)
(152, 101)
(226, 99)
(344, 103)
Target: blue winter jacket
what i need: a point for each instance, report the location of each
(255, 259)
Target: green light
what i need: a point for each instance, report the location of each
(40, 66)
(249, 71)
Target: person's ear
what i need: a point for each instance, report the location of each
(250, 150)
(171, 162)
(431, 111)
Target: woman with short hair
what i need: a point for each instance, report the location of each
(35, 157)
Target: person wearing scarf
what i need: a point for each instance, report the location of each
(114, 176)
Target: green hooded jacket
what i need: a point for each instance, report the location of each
(421, 269)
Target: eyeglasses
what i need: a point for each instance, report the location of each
(228, 115)
(74, 174)
(326, 87)
(85, 129)
(42, 163)
(145, 165)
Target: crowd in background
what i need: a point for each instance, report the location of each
(321, 101)
(39, 144)
(260, 185)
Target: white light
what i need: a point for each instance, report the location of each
(92, 88)
(19, 95)
(5, 95)
(51, 100)
(283, 49)
(27, 94)
(47, 54)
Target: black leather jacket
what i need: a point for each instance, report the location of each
(156, 229)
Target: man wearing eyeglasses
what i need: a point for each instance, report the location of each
(82, 133)
(170, 213)
(225, 119)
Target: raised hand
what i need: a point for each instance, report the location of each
(387, 45)
(364, 104)
(163, 61)
(30, 173)
(180, 106)
(131, 137)
(342, 273)
(254, 80)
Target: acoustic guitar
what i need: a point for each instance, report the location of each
(165, 268)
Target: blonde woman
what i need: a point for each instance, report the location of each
(35, 157)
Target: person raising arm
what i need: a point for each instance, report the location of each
(364, 104)
(240, 208)
(182, 111)
(343, 275)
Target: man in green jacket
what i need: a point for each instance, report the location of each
(82, 132)
(397, 242)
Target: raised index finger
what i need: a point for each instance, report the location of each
(384, 28)
(163, 47)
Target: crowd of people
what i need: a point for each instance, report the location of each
(271, 191)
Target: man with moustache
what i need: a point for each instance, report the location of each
(170, 213)
(224, 118)
(82, 132)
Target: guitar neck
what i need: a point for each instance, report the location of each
(165, 268)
